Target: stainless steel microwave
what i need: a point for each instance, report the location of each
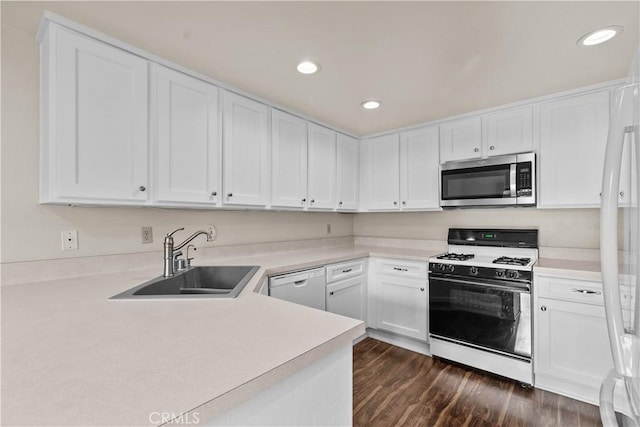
(497, 181)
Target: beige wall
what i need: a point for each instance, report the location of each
(32, 232)
(573, 228)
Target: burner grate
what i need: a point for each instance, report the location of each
(455, 257)
(512, 261)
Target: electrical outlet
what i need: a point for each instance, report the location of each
(211, 229)
(69, 240)
(328, 228)
(147, 235)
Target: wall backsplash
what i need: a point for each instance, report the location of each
(571, 228)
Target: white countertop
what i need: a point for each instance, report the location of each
(572, 269)
(71, 356)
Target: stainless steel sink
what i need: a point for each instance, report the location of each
(205, 282)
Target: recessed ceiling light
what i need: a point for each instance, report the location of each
(307, 67)
(600, 35)
(371, 104)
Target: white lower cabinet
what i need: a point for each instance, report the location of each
(399, 295)
(571, 342)
(347, 297)
(346, 288)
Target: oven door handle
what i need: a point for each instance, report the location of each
(509, 287)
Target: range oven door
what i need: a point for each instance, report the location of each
(485, 314)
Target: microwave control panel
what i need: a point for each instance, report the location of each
(524, 178)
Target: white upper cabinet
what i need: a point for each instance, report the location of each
(502, 132)
(94, 135)
(322, 167)
(246, 151)
(288, 160)
(383, 172)
(348, 172)
(187, 148)
(461, 139)
(573, 136)
(507, 131)
(419, 169)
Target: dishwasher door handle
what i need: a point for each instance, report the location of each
(300, 283)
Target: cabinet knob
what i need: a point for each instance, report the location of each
(395, 203)
(421, 289)
(304, 200)
(492, 148)
(404, 203)
(142, 188)
(622, 194)
(475, 150)
(340, 203)
(543, 308)
(330, 293)
(313, 200)
(230, 195)
(214, 193)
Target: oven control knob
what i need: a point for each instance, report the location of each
(451, 268)
(513, 274)
(473, 271)
(499, 273)
(441, 267)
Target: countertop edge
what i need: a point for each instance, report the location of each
(244, 392)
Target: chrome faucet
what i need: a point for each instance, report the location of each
(169, 248)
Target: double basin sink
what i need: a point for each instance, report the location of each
(198, 282)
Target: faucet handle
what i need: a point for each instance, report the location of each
(175, 231)
(189, 259)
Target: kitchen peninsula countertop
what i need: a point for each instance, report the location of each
(71, 356)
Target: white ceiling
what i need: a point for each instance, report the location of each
(424, 60)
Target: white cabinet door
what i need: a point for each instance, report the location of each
(508, 131)
(419, 172)
(95, 102)
(571, 346)
(461, 139)
(246, 151)
(348, 172)
(383, 172)
(347, 297)
(402, 306)
(573, 136)
(289, 160)
(322, 167)
(187, 148)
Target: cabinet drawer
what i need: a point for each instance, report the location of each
(345, 270)
(403, 268)
(569, 290)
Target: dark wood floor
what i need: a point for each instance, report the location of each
(397, 387)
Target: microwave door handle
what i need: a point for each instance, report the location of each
(512, 179)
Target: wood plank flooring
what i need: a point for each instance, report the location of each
(397, 387)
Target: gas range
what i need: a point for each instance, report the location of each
(480, 300)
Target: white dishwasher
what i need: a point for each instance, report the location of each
(302, 287)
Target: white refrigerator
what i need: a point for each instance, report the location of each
(620, 255)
